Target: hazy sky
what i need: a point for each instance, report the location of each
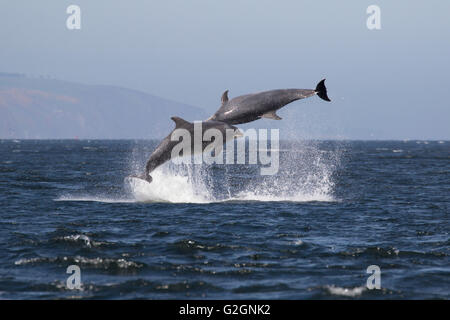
(388, 83)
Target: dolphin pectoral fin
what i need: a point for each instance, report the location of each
(271, 115)
(142, 177)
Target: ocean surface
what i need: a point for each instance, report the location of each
(225, 231)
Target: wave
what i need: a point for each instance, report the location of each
(345, 292)
(391, 252)
(89, 198)
(102, 263)
(80, 239)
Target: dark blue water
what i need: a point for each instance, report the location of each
(310, 232)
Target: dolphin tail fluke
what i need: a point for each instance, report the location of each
(321, 90)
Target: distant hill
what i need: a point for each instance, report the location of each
(47, 108)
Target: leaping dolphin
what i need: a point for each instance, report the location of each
(255, 106)
(163, 151)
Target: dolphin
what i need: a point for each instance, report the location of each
(163, 151)
(255, 106)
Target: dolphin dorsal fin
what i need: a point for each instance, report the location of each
(179, 122)
(225, 97)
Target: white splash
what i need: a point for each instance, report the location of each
(314, 183)
(305, 176)
(165, 188)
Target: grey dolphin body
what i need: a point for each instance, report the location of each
(163, 151)
(254, 106)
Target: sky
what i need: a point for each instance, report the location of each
(390, 83)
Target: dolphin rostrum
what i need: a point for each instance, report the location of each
(163, 151)
(255, 106)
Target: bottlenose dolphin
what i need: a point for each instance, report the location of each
(163, 151)
(255, 106)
